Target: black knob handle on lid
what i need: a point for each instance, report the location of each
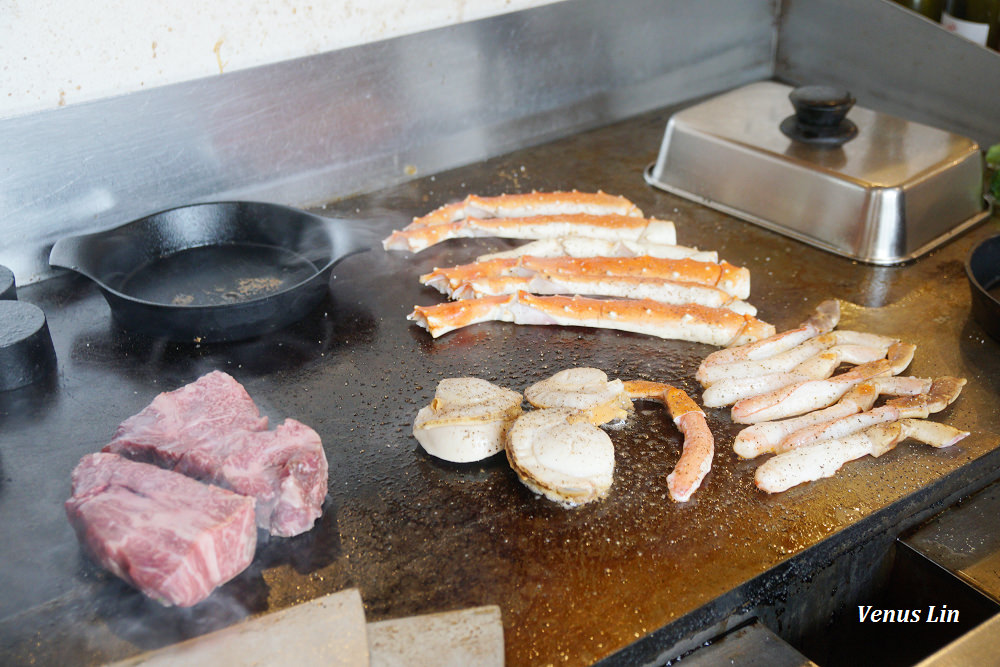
(820, 116)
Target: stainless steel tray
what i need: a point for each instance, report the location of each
(893, 193)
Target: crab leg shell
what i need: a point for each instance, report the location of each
(763, 437)
(440, 216)
(657, 289)
(730, 279)
(550, 203)
(825, 458)
(699, 444)
(613, 227)
(690, 322)
(698, 450)
(441, 318)
(700, 324)
(446, 280)
(733, 280)
(528, 204)
(825, 318)
(586, 246)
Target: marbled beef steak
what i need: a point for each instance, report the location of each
(170, 536)
(212, 431)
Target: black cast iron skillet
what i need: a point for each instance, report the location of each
(212, 272)
(983, 271)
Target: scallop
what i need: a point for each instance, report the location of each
(586, 390)
(467, 420)
(565, 459)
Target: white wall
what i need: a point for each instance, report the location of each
(59, 52)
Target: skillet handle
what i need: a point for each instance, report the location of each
(349, 238)
(66, 253)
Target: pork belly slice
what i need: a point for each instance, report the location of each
(211, 430)
(172, 537)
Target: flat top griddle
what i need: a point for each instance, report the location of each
(418, 535)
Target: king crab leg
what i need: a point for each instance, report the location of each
(731, 280)
(943, 393)
(729, 391)
(826, 317)
(610, 227)
(714, 326)
(802, 397)
(586, 246)
(656, 289)
(825, 458)
(528, 205)
(853, 347)
(763, 437)
(699, 445)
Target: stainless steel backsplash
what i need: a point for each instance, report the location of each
(324, 127)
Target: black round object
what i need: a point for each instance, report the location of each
(820, 116)
(8, 289)
(26, 352)
(983, 271)
(212, 272)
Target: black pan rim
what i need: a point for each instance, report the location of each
(320, 270)
(221, 322)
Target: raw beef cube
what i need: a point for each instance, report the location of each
(210, 430)
(285, 470)
(173, 538)
(177, 421)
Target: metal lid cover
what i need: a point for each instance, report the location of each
(891, 194)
